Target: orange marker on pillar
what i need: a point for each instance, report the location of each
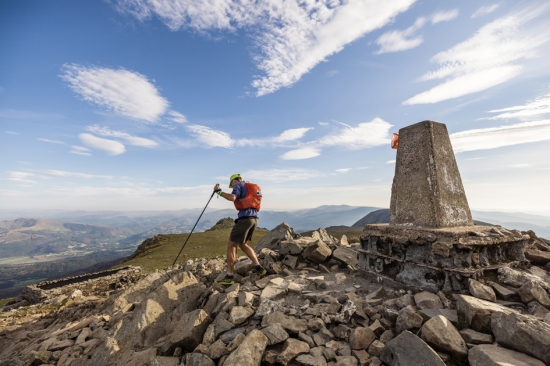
(394, 140)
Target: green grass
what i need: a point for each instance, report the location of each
(163, 250)
(5, 301)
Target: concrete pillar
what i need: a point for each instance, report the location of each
(427, 190)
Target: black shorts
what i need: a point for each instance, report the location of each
(243, 230)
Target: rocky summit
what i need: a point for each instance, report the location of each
(312, 308)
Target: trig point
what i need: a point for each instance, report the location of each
(427, 190)
(431, 241)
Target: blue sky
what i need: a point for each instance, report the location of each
(146, 104)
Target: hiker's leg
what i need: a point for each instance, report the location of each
(249, 253)
(231, 256)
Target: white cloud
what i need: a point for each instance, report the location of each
(80, 150)
(286, 136)
(494, 137)
(364, 135)
(343, 170)
(484, 10)
(111, 147)
(488, 58)
(539, 106)
(21, 177)
(323, 123)
(390, 162)
(11, 133)
(301, 153)
(519, 166)
(361, 136)
(210, 137)
(444, 16)
(124, 92)
(280, 175)
(61, 173)
(401, 40)
(129, 139)
(52, 141)
(176, 117)
(291, 36)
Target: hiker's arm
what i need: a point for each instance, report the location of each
(227, 196)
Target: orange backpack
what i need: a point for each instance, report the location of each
(395, 141)
(253, 197)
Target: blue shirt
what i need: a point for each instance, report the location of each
(239, 191)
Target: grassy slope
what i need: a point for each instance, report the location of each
(164, 248)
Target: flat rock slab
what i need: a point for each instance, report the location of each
(427, 300)
(470, 336)
(189, 331)
(409, 350)
(250, 351)
(478, 312)
(346, 256)
(489, 355)
(450, 314)
(503, 292)
(317, 252)
(440, 333)
(479, 290)
(522, 333)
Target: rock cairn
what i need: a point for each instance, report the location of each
(311, 309)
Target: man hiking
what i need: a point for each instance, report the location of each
(247, 199)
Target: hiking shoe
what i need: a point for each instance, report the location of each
(227, 281)
(259, 271)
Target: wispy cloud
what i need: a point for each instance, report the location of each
(343, 170)
(537, 107)
(484, 10)
(21, 177)
(124, 92)
(291, 36)
(280, 175)
(176, 117)
(80, 150)
(444, 16)
(494, 137)
(401, 40)
(363, 135)
(11, 133)
(111, 147)
(286, 136)
(301, 153)
(490, 57)
(61, 173)
(210, 137)
(52, 141)
(129, 139)
(390, 162)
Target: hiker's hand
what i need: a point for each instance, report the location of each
(217, 188)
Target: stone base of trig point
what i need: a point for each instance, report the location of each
(431, 242)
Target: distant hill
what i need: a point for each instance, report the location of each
(519, 221)
(375, 217)
(33, 237)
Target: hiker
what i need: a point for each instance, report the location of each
(247, 198)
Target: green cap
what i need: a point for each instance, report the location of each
(234, 176)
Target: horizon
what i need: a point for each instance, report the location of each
(125, 106)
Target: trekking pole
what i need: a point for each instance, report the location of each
(175, 260)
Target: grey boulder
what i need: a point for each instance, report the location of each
(408, 350)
